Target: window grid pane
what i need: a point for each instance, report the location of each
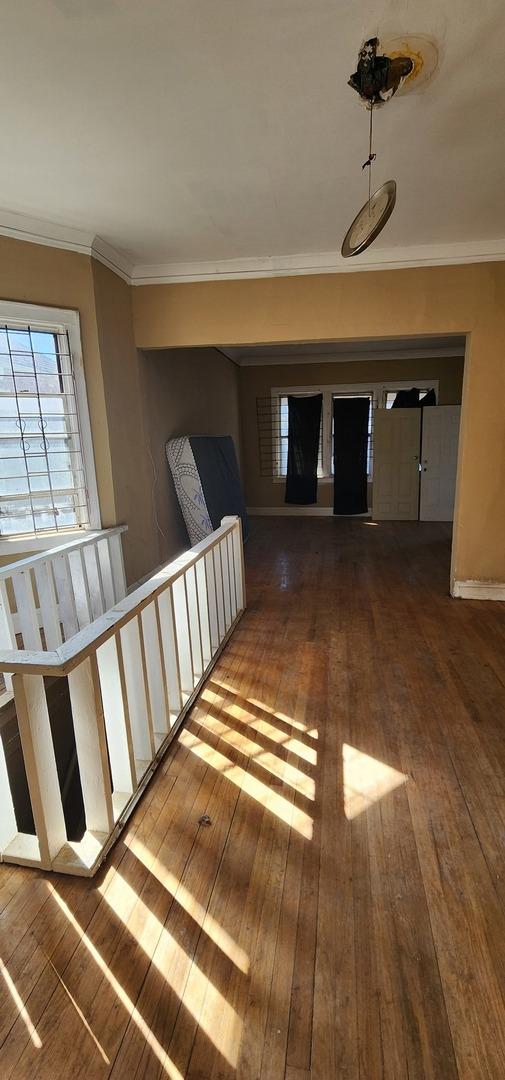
(42, 477)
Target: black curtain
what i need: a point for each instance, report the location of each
(304, 423)
(350, 440)
(406, 399)
(409, 399)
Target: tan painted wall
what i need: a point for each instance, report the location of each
(122, 368)
(37, 274)
(257, 382)
(185, 392)
(433, 300)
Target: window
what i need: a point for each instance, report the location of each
(272, 419)
(47, 481)
(283, 439)
(389, 396)
(370, 430)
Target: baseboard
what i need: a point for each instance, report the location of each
(298, 511)
(290, 511)
(479, 590)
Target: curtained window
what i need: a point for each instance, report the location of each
(350, 445)
(304, 425)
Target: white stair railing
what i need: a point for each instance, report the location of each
(133, 674)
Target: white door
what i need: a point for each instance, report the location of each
(439, 459)
(396, 449)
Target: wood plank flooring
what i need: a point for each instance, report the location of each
(343, 915)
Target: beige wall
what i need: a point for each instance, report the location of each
(257, 382)
(122, 371)
(432, 300)
(36, 274)
(185, 392)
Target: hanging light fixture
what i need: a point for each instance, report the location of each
(376, 80)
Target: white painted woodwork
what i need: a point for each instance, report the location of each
(65, 594)
(8, 824)
(218, 577)
(119, 739)
(133, 673)
(210, 578)
(439, 462)
(397, 437)
(91, 745)
(183, 636)
(154, 669)
(136, 690)
(27, 613)
(194, 622)
(170, 652)
(50, 616)
(95, 585)
(40, 764)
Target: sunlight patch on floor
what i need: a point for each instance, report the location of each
(168, 1066)
(186, 900)
(279, 768)
(366, 780)
(257, 704)
(285, 810)
(180, 971)
(20, 1006)
(263, 727)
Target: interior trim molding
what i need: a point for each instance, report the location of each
(479, 590)
(38, 231)
(445, 352)
(290, 511)
(329, 262)
(49, 234)
(297, 511)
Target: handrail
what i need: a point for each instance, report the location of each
(88, 537)
(67, 656)
(133, 674)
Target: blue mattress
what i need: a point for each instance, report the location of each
(207, 482)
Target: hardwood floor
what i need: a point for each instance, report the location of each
(343, 914)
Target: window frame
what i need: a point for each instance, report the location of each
(58, 321)
(376, 390)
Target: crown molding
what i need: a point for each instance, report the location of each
(38, 231)
(50, 234)
(444, 352)
(329, 262)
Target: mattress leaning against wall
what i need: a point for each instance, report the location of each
(207, 482)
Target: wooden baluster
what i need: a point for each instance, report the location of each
(91, 745)
(94, 580)
(203, 606)
(136, 690)
(28, 618)
(117, 566)
(8, 823)
(170, 652)
(183, 636)
(218, 577)
(104, 562)
(119, 737)
(231, 574)
(65, 594)
(212, 600)
(40, 765)
(194, 622)
(7, 633)
(80, 588)
(48, 605)
(223, 551)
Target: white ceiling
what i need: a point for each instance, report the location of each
(188, 133)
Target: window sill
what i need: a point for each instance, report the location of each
(28, 545)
